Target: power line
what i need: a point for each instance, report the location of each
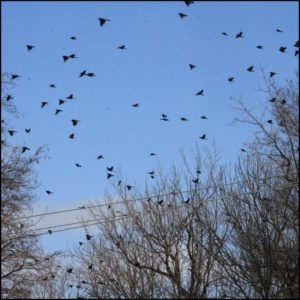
(116, 218)
(136, 199)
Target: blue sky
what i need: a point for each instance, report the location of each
(153, 71)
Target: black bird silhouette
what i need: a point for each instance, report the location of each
(81, 243)
(272, 100)
(12, 132)
(90, 266)
(129, 187)
(25, 149)
(15, 76)
(183, 119)
(100, 157)
(78, 165)
(272, 74)
(75, 122)
(52, 85)
(49, 192)
(196, 180)
(164, 119)
(44, 103)
(73, 38)
(9, 97)
(110, 169)
(119, 182)
(259, 47)
(91, 74)
(203, 117)
(270, 121)
(250, 69)
(282, 49)
(296, 44)
(82, 207)
(82, 73)
(71, 136)
(49, 231)
(65, 58)
(239, 35)
(103, 21)
(225, 33)
(27, 130)
(109, 175)
(152, 154)
(278, 30)
(123, 47)
(71, 96)
(296, 52)
(58, 111)
(192, 66)
(188, 2)
(60, 101)
(29, 47)
(151, 173)
(231, 79)
(88, 237)
(198, 172)
(187, 201)
(283, 101)
(243, 150)
(203, 137)
(200, 93)
(182, 15)
(69, 270)
(160, 202)
(136, 105)
(72, 56)
(164, 115)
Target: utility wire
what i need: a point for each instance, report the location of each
(136, 199)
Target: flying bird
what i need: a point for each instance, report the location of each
(225, 33)
(160, 202)
(151, 173)
(136, 105)
(25, 149)
(103, 21)
(259, 47)
(109, 175)
(239, 35)
(152, 154)
(196, 180)
(78, 165)
(272, 74)
(72, 56)
(60, 101)
(110, 168)
(250, 69)
(231, 79)
(75, 122)
(283, 101)
(123, 47)
(29, 47)
(27, 130)
(69, 270)
(49, 231)
(203, 117)
(90, 266)
(52, 85)
(188, 2)
(71, 136)
(296, 44)
(278, 30)
(44, 103)
(81, 207)
(203, 137)
(200, 93)
(58, 111)
(182, 15)
(296, 52)
(91, 74)
(187, 201)
(243, 150)
(9, 97)
(65, 58)
(192, 66)
(272, 100)
(49, 192)
(81, 243)
(183, 119)
(270, 121)
(82, 73)
(12, 132)
(15, 76)
(100, 157)
(88, 237)
(282, 49)
(129, 187)
(73, 38)
(71, 96)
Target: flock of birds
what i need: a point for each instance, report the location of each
(164, 117)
